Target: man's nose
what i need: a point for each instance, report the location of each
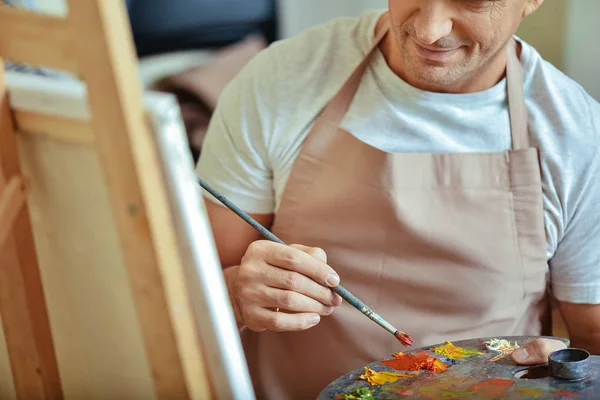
(432, 22)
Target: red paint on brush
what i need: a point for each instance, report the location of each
(404, 338)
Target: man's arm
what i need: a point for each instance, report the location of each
(232, 237)
(583, 324)
(232, 234)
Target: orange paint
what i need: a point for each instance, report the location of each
(407, 362)
(492, 388)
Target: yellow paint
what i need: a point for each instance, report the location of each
(381, 378)
(455, 353)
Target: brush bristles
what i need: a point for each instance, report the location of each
(404, 338)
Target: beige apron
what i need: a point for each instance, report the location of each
(444, 246)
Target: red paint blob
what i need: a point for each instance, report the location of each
(405, 392)
(492, 388)
(407, 362)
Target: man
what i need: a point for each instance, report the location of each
(442, 170)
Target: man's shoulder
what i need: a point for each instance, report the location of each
(564, 115)
(324, 49)
(345, 31)
(554, 91)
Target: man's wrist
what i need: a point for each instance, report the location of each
(230, 274)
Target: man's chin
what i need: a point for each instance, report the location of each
(429, 77)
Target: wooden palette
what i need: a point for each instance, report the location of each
(471, 378)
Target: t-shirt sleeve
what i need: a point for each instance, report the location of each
(234, 159)
(575, 267)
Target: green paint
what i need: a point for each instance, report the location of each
(361, 393)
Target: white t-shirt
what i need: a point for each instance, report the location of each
(265, 114)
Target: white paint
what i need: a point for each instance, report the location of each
(582, 51)
(298, 15)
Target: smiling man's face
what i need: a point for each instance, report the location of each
(446, 43)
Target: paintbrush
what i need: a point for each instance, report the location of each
(403, 337)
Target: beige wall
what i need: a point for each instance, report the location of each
(582, 51)
(566, 33)
(545, 30)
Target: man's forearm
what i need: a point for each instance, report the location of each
(583, 324)
(230, 274)
(591, 344)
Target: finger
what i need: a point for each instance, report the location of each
(293, 301)
(293, 259)
(316, 252)
(536, 351)
(284, 322)
(293, 281)
(320, 255)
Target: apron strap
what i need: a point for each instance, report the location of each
(336, 109)
(516, 100)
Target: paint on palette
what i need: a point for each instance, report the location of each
(501, 346)
(381, 378)
(528, 392)
(415, 362)
(455, 388)
(467, 378)
(494, 388)
(360, 393)
(455, 353)
(565, 394)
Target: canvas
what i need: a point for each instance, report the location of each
(94, 322)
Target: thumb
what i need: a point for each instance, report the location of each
(536, 351)
(316, 252)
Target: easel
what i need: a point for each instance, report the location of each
(61, 330)
(12, 200)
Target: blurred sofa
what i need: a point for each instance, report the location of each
(193, 48)
(173, 25)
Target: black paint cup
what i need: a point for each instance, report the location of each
(569, 364)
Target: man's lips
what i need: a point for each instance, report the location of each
(434, 53)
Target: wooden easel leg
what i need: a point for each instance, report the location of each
(22, 302)
(12, 199)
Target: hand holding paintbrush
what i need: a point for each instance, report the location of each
(404, 338)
